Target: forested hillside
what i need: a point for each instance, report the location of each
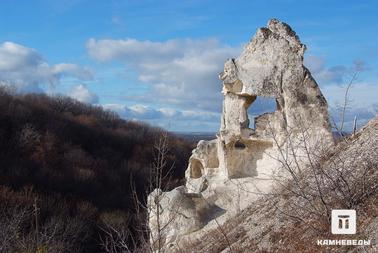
(66, 168)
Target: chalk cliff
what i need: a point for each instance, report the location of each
(229, 173)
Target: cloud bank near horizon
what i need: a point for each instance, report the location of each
(181, 76)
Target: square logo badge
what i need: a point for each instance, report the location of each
(343, 222)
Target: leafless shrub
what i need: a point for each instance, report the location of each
(322, 178)
(12, 222)
(342, 108)
(22, 230)
(116, 237)
(29, 136)
(121, 239)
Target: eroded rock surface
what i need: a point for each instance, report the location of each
(178, 210)
(243, 162)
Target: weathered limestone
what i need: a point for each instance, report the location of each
(178, 210)
(203, 162)
(231, 171)
(271, 65)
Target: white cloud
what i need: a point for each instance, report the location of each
(169, 118)
(183, 78)
(168, 112)
(25, 69)
(135, 112)
(140, 112)
(72, 70)
(361, 102)
(181, 73)
(83, 94)
(331, 75)
(362, 114)
(359, 95)
(322, 74)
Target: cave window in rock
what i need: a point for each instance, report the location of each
(261, 106)
(239, 145)
(196, 169)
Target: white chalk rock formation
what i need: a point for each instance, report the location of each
(230, 172)
(176, 209)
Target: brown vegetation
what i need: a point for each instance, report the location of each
(66, 167)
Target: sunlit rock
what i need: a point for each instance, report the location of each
(243, 162)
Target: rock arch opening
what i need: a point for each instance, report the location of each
(261, 106)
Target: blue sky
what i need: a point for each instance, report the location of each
(158, 61)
